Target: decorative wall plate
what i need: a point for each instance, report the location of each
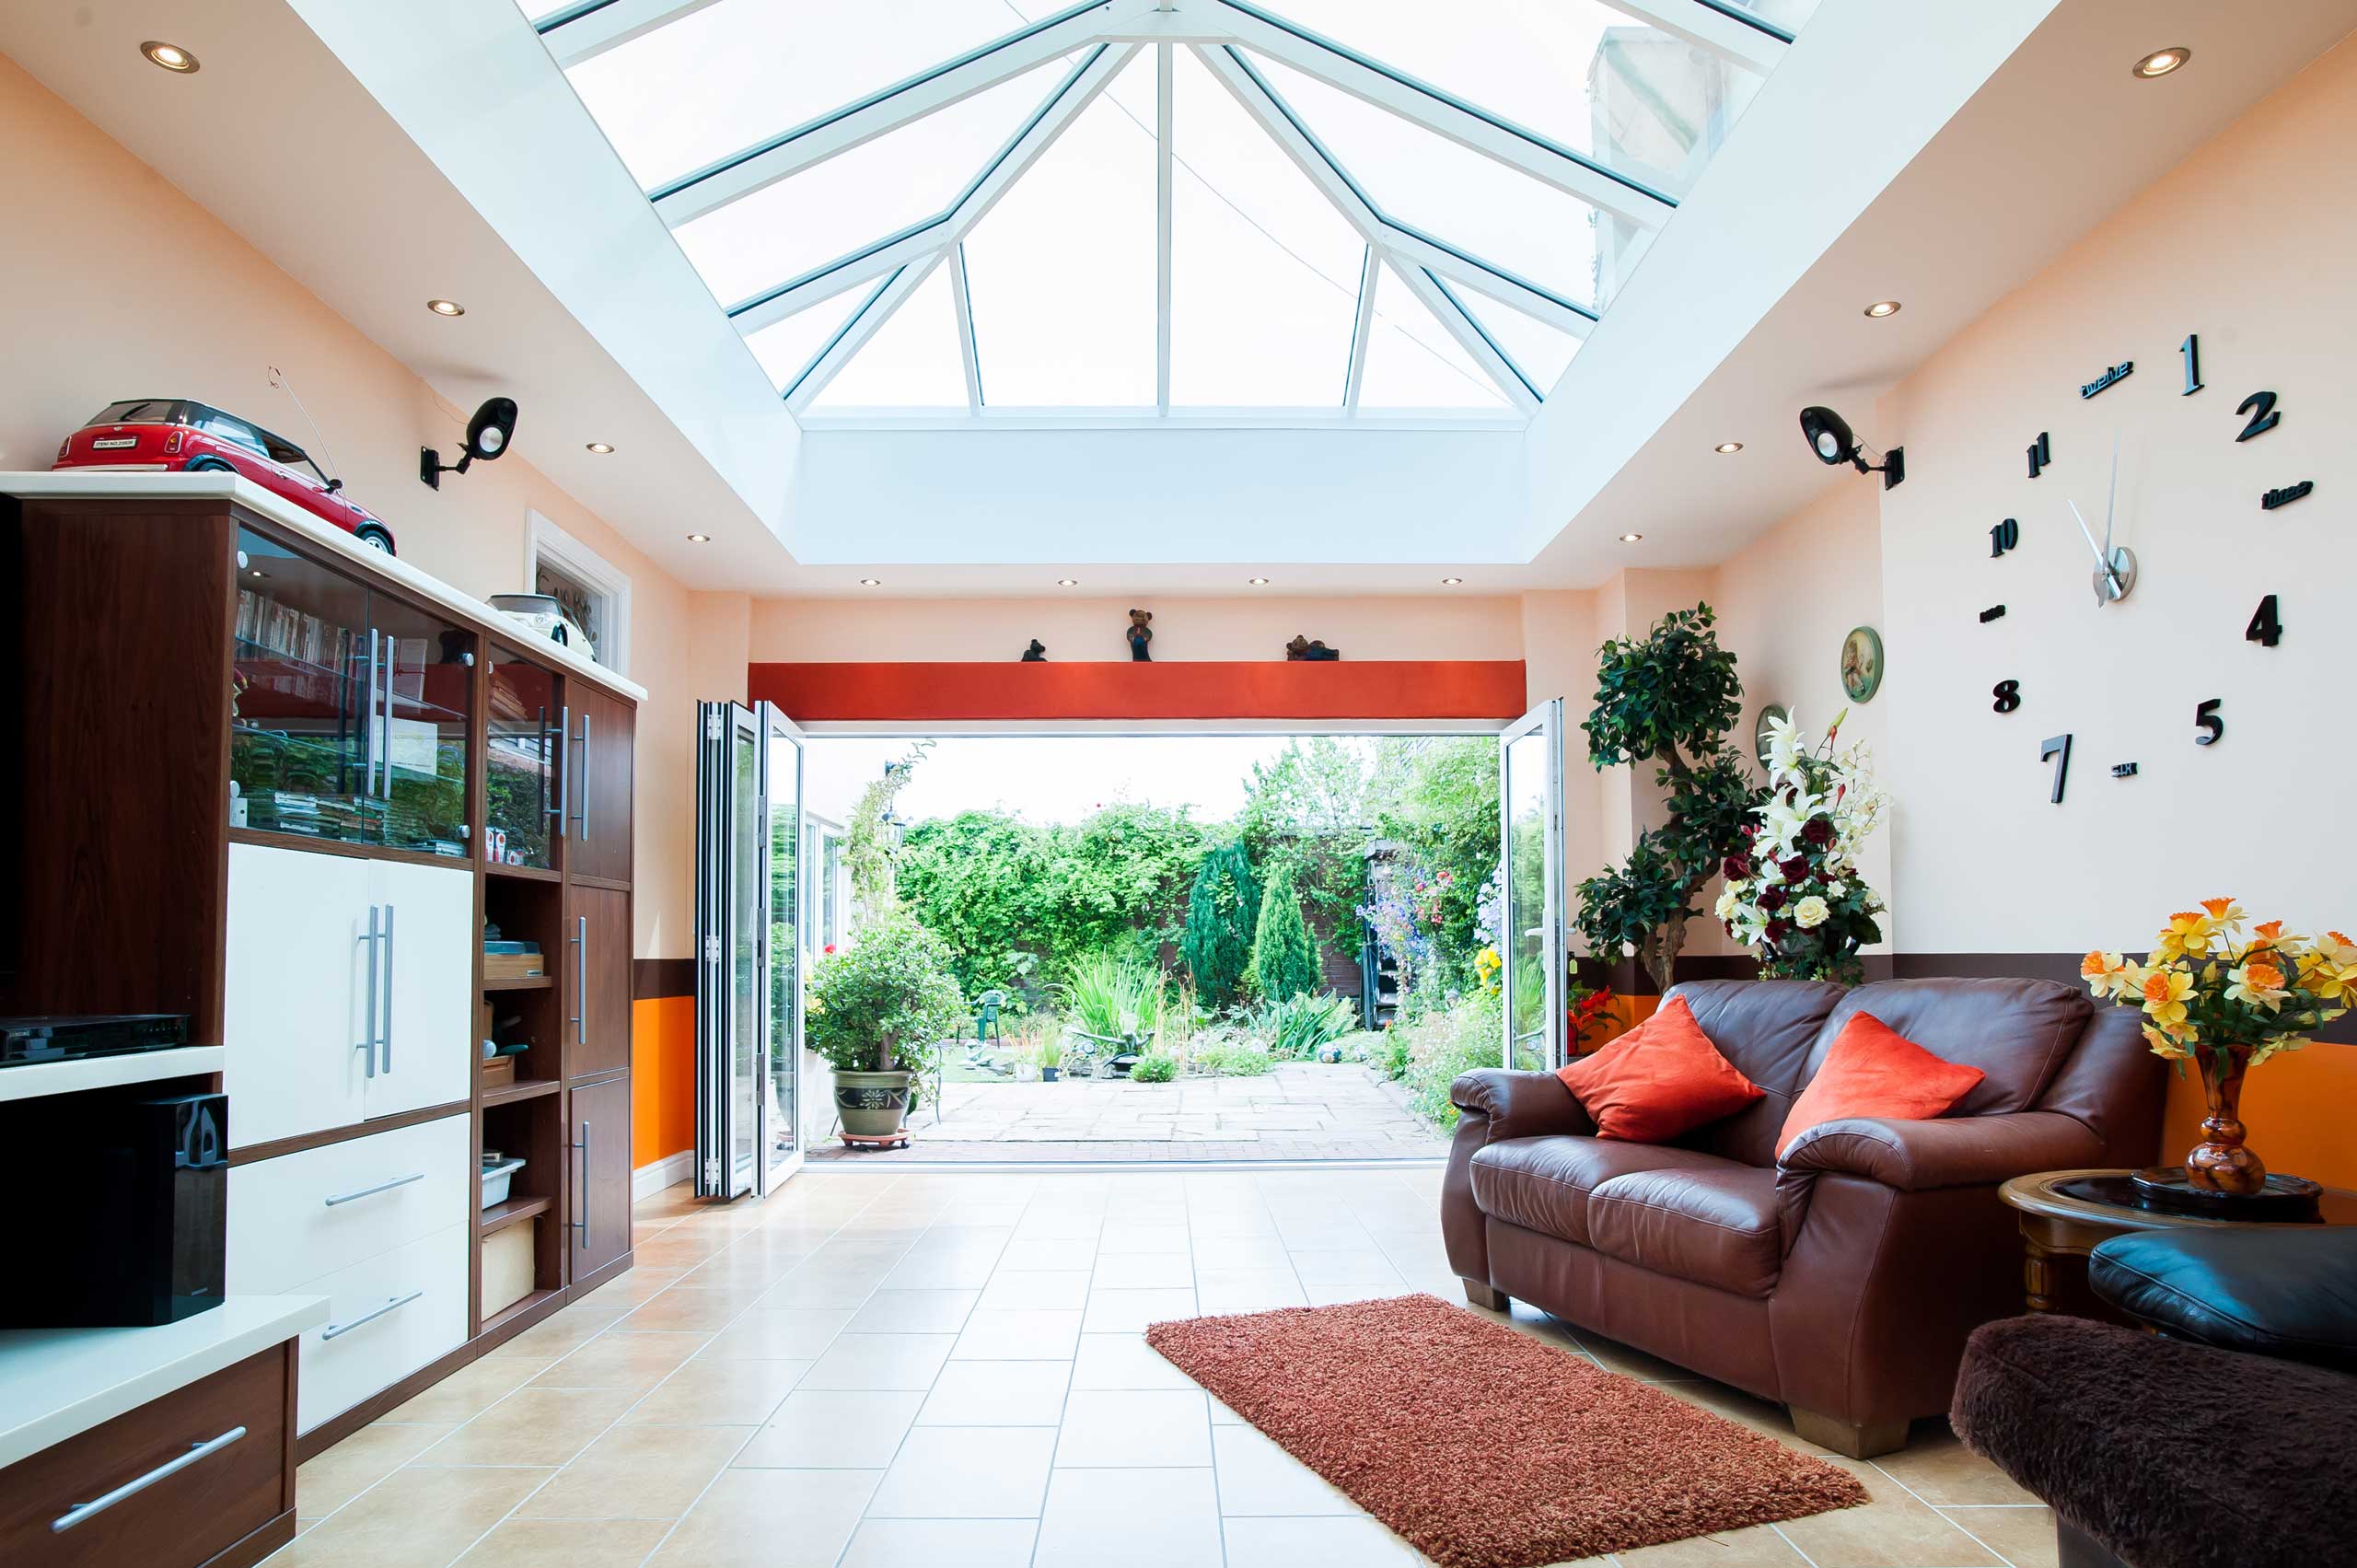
(1862, 663)
(1774, 713)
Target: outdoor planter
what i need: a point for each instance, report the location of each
(872, 1105)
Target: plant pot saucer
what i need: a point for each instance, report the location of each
(875, 1140)
(2284, 1200)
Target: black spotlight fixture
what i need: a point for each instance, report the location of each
(1829, 437)
(488, 433)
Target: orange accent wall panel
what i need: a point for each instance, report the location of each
(662, 1078)
(2295, 1106)
(1271, 688)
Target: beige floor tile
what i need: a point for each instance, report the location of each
(1356, 1542)
(941, 1543)
(1247, 1290)
(682, 1307)
(1019, 1334)
(1143, 1270)
(770, 1519)
(1138, 1519)
(1257, 1477)
(880, 1361)
(1941, 1470)
(997, 1393)
(471, 1389)
(1241, 1252)
(1343, 1266)
(819, 1429)
(333, 1479)
(2022, 1536)
(1132, 1311)
(637, 1285)
(532, 1426)
(1768, 1420)
(1135, 1429)
(1893, 1530)
(566, 1543)
(1614, 1356)
(1336, 1295)
(913, 1312)
(1035, 1290)
(1055, 1253)
(1759, 1547)
(622, 1361)
(1123, 1361)
(967, 1472)
(719, 1393)
(784, 1333)
(553, 1336)
(1125, 1234)
(417, 1517)
(638, 1472)
(816, 1286)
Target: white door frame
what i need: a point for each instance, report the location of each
(1547, 721)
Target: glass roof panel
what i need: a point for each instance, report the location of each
(730, 74)
(1264, 272)
(1655, 115)
(1060, 273)
(1450, 192)
(913, 361)
(1540, 352)
(1414, 363)
(1789, 15)
(863, 196)
(787, 348)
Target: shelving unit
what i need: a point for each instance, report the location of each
(499, 1216)
(521, 982)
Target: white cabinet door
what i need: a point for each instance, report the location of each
(427, 1023)
(294, 1002)
(301, 1216)
(387, 1316)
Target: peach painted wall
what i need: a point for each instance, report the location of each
(127, 288)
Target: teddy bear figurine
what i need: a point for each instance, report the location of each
(1141, 633)
(1037, 653)
(1302, 649)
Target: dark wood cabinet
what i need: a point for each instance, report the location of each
(598, 752)
(600, 1169)
(597, 981)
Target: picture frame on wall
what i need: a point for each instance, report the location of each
(1862, 663)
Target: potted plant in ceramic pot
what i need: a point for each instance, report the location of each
(877, 1011)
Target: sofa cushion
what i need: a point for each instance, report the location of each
(1660, 1079)
(1716, 1225)
(1874, 1071)
(1767, 1028)
(2019, 1033)
(1542, 1184)
(2288, 1291)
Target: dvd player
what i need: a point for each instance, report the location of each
(26, 1040)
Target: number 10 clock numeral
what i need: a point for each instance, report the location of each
(2005, 537)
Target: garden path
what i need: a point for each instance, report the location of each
(1301, 1111)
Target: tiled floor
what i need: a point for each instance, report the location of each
(1301, 1111)
(874, 1370)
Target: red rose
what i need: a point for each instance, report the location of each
(1777, 929)
(1796, 869)
(1773, 898)
(1734, 868)
(1820, 830)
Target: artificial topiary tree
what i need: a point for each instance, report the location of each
(1222, 915)
(1285, 961)
(1668, 698)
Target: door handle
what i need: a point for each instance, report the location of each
(581, 980)
(368, 1003)
(582, 816)
(563, 768)
(342, 1198)
(368, 724)
(581, 1222)
(387, 1036)
(391, 662)
(337, 1331)
(81, 1511)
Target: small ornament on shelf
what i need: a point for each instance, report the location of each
(1301, 650)
(1141, 633)
(1037, 653)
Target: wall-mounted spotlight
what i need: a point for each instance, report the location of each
(1829, 437)
(488, 433)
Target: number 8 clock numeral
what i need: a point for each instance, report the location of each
(2008, 694)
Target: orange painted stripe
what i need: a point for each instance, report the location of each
(1402, 688)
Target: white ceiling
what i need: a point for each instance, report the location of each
(1933, 151)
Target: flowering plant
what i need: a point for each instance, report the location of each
(2205, 986)
(1793, 890)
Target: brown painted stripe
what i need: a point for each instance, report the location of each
(651, 978)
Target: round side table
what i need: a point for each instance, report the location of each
(2063, 1213)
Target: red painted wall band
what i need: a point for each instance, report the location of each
(1403, 689)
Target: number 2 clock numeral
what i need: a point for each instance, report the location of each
(2008, 694)
(2260, 406)
(2058, 748)
(2266, 626)
(2206, 720)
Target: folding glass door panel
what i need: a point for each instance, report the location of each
(1531, 795)
(781, 925)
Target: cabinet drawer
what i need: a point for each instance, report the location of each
(177, 1520)
(369, 1342)
(301, 1216)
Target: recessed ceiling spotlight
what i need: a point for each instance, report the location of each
(1630, 538)
(1881, 308)
(2159, 62)
(1067, 582)
(172, 57)
(1257, 582)
(1451, 582)
(699, 538)
(871, 582)
(445, 307)
(601, 448)
(1728, 447)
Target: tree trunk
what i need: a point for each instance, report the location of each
(1660, 955)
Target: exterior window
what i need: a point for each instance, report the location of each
(594, 593)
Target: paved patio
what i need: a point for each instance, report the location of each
(1303, 1110)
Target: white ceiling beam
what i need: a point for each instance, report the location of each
(966, 352)
(889, 255)
(1444, 114)
(1162, 194)
(1753, 46)
(1421, 250)
(1469, 336)
(790, 152)
(858, 330)
(1362, 331)
(584, 31)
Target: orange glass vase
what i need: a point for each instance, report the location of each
(2222, 1162)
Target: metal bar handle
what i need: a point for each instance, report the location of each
(392, 662)
(385, 1037)
(581, 980)
(336, 1331)
(342, 1198)
(81, 1511)
(564, 768)
(368, 724)
(368, 1006)
(581, 1223)
(584, 813)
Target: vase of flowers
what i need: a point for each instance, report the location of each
(1793, 894)
(2228, 1002)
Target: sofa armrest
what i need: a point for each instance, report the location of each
(1519, 1104)
(1959, 1151)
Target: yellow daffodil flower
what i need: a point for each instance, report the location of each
(2164, 994)
(2163, 1046)
(2187, 933)
(2258, 982)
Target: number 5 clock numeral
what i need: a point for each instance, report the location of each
(2058, 748)
(2266, 626)
(2206, 719)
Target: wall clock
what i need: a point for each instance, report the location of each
(1862, 663)
(1772, 713)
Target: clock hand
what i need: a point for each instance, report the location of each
(2102, 561)
(2111, 503)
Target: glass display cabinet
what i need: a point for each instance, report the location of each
(523, 741)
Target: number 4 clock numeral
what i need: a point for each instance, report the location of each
(2266, 626)
(2058, 748)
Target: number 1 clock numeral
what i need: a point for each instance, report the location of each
(2266, 626)
(2058, 748)
(2206, 720)
(2191, 349)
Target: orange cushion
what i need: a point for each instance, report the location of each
(1873, 1069)
(1662, 1078)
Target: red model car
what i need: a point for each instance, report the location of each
(180, 435)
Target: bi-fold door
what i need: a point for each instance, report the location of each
(749, 949)
(1530, 866)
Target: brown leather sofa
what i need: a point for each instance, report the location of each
(1842, 1280)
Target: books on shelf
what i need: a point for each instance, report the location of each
(277, 628)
